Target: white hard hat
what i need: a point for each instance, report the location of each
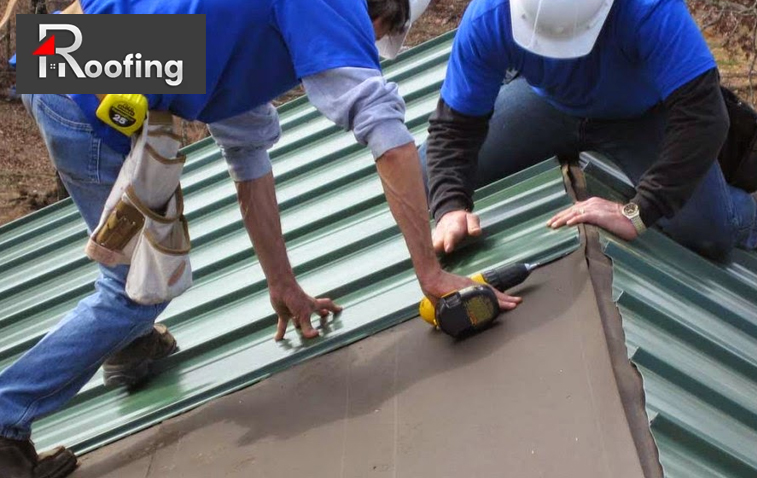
(389, 46)
(558, 28)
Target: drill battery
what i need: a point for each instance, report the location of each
(467, 311)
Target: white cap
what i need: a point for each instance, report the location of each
(558, 28)
(389, 46)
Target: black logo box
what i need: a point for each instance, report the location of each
(105, 38)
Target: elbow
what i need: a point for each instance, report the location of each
(399, 153)
(386, 138)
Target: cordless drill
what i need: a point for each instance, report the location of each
(473, 308)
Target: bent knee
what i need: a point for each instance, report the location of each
(714, 241)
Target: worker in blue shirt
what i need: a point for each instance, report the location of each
(633, 80)
(12, 61)
(12, 89)
(342, 77)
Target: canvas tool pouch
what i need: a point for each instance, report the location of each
(738, 156)
(160, 268)
(142, 223)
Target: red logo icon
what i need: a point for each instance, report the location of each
(47, 48)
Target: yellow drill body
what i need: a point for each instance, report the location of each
(501, 278)
(426, 308)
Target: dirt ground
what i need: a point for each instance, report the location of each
(28, 182)
(27, 179)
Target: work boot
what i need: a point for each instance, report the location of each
(131, 365)
(19, 459)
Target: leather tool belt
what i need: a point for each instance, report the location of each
(142, 223)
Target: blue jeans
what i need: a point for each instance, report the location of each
(525, 130)
(55, 369)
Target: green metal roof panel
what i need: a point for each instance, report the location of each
(691, 330)
(691, 325)
(342, 242)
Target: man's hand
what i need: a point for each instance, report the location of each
(291, 302)
(452, 228)
(260, 212)
(600, 212)
(400, 174)
(442, 283)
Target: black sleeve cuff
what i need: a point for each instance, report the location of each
(649, 213)
(451, 204)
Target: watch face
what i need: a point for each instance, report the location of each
(630, 209)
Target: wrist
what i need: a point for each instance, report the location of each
(457, 203)
(648, 210)
(632, 212)
(428, 275)
(281, 281)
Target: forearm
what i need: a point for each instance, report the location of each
(453, 145)
(361, 100)
(400, 173)
(697, 125)
(260, 212)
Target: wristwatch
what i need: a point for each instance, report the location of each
(632, 212)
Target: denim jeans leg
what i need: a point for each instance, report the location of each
(54, 370)
(524, 130)
(717, 218)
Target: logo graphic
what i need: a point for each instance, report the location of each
(172, 70)
(100, 53)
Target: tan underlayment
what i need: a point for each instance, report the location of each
(533, 397)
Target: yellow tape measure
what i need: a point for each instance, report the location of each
(125, 113)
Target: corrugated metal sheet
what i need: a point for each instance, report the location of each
(691, 329)
(691, 325)
(341, 239)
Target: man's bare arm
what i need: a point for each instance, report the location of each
(400, 172)
(260, 212)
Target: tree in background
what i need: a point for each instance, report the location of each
(731, 28)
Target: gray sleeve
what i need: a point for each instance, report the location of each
(360, 99)
(245, 139)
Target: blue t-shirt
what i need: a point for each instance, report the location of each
(645, 51)
(255, 51)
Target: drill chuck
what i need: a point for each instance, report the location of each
(503, 278)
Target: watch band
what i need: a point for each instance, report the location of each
(632, 212)
(638, 223)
